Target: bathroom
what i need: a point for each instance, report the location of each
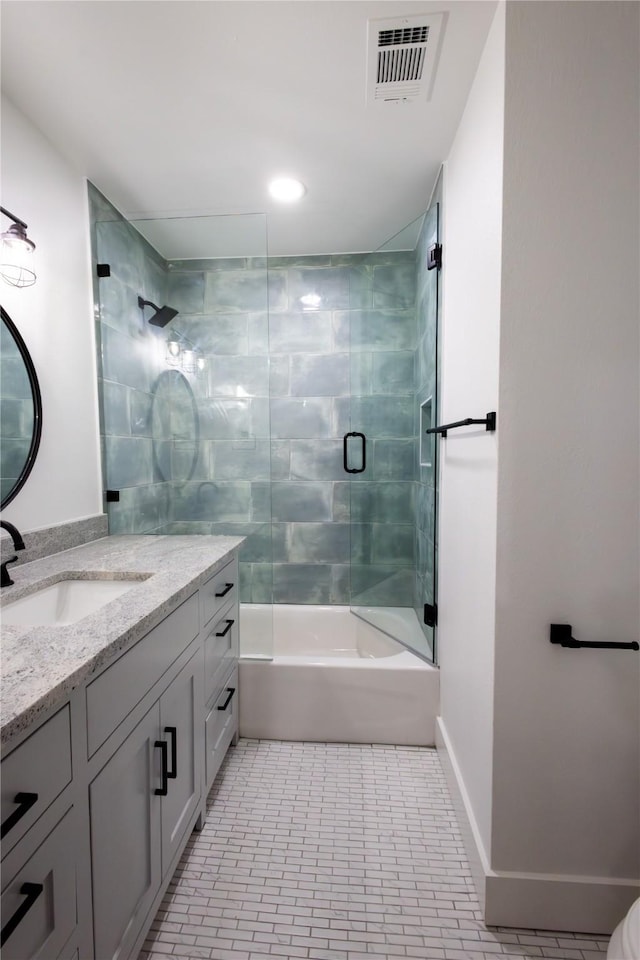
(516, 513)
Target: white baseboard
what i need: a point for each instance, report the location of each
(551, 902)
(532, 900)
(476, 854)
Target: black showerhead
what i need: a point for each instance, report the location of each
(162, 315)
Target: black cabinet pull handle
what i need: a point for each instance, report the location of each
(345, 459)
(230, 691)
(226, 629)
(31, 892)
(173, 733)
(227, 587)
(25, 801)
(161, 745)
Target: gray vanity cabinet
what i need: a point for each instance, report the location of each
(125, 840)
(33, 776)
(181, 728)
(221, 726)
(38, 904)
(219, 605)
(98, 800)
(142, 803)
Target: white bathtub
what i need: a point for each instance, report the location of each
(333, 677)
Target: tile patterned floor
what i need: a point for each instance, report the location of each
(335, 852)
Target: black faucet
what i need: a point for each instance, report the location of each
(18, 544)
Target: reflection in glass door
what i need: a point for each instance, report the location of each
(393, 401)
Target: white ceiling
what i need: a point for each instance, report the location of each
(178, 108)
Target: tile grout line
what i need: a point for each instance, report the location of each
(324, 851)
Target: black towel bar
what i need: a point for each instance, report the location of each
(489, 421)
(561, 633)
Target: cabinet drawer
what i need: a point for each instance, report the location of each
(39, 905)
(220, 650)
(219, 590)
(116, 692)
(220, 726)
(33, 775)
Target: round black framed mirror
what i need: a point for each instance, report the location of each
(20, 411)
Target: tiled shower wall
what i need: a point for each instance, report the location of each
(223, 311)
(282, 385)
(282, 389)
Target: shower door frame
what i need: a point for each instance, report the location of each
(368, 612)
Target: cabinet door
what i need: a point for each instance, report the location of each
(179, 706)
(125, 839)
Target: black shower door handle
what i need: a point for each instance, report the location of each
(345, 458)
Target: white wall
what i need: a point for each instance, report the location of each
(567, 722)
(468, 477)
(55, 318)
(543, 253)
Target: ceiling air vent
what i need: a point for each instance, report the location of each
(401, 58)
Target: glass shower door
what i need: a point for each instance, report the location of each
(426, 410)
(387, 455)
(185, 404)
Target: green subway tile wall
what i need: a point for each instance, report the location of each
(278, 400)
(298, 352)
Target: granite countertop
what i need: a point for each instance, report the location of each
(42, 665)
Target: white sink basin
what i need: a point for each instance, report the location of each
(64, 602)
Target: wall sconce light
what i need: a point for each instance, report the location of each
(173, 353)
(16, 257)
(183, 355)
(189, 360)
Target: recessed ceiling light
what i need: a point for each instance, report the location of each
(287, 189)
